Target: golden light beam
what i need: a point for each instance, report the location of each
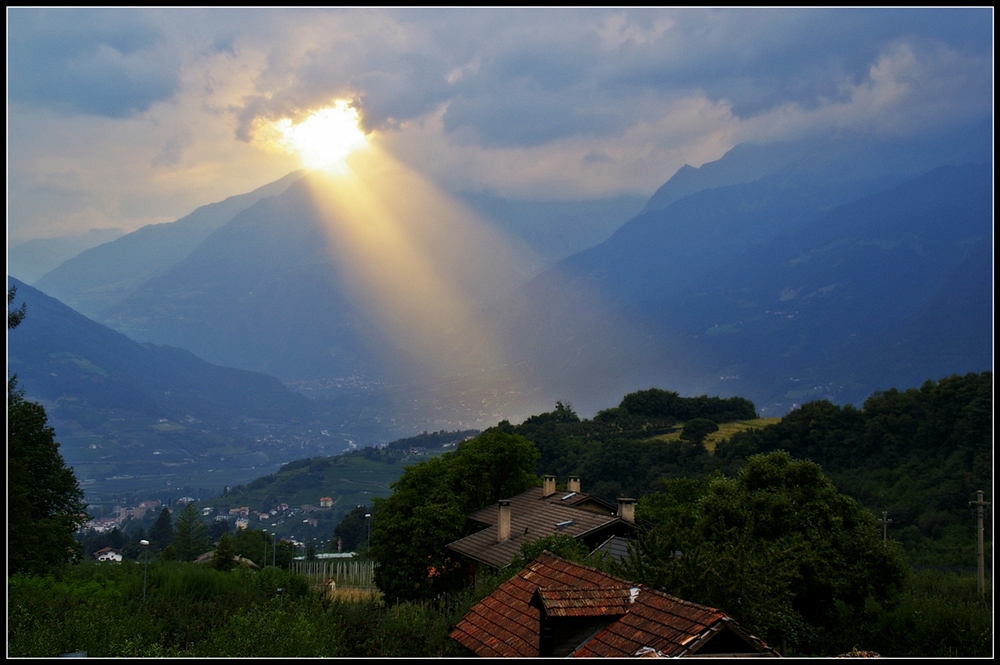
(422, 264)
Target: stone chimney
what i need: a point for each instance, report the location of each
(626, 509)
(574, 484)
(548, 485)
(503, 520)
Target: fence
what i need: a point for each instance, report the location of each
(357, 574)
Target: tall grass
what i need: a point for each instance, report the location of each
(195, 610)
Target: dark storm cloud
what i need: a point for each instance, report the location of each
(534, 78)
(105, 63)
(761, 58)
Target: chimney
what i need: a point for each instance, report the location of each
(548, 486)
(503, 520)
(626, 509)
(574, 484)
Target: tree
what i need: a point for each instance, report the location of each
(218, 528)
(410, 529)
(44, 500)
(190, 534)
(352, 530)
(162, 532)
(225, 553)
(427, 509)
(696, 429)
(559, 544)
(14, 316)
(777, 547)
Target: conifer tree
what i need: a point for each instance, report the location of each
(44, 500)
(190, 534)
(225, 553)
(162, 532)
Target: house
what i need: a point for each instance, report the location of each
(555, 607)
(326, 502)
(539, 512)
(108, 554)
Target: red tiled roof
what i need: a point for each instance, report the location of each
(506, 623)
(570, 602)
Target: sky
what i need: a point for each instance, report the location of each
(122, 118)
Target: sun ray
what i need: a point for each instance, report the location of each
(422, 265)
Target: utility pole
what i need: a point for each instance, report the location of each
(884, 520)
(980, 512)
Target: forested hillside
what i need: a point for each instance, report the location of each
(918, 454)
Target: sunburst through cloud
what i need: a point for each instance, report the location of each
(325, 138)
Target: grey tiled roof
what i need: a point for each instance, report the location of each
(533, 516)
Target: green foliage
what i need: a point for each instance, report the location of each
(492, 466)
(617, 453)
(352, 530)
(351, 479)
(657, 403)
(44, 501)
(162, 532)
(259, 546)
(14, 316)
(197, 611)
(939, 614)
(428, 506)
(432, 440)
(777, 547)
(559, 544)
(697, 429)
(217, 529)
(919, 454)
(190, 534)
(225, 553)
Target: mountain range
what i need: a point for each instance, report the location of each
(767, 290)
(822, 268)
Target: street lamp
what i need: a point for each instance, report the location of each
(368, 516)
(264, 562)
(274, 548)
(145, 545)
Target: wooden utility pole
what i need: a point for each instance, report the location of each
(884, 520)
(981, 563)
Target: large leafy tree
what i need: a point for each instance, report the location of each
(428, 506)
(190, 534)
(777, 547)
(44, 500)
